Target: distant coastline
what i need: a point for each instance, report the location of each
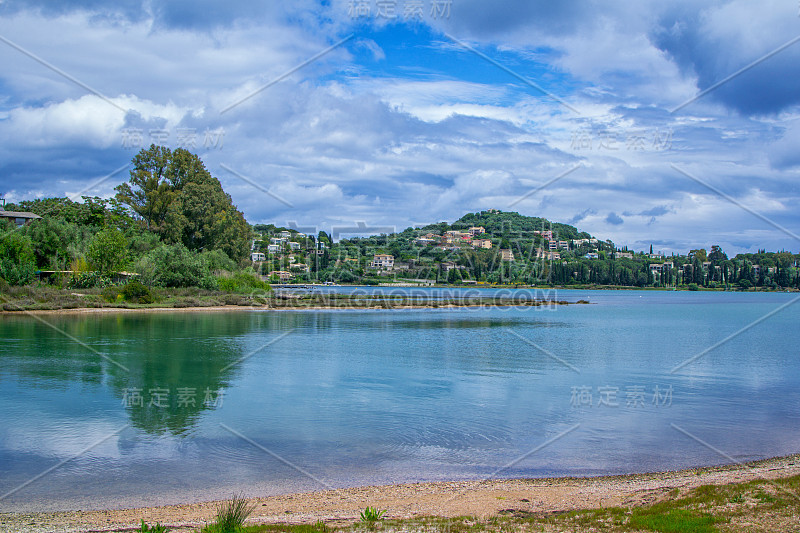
(301, 297)
(66, 302)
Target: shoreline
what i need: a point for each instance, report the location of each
(447, 499)
(251, 308)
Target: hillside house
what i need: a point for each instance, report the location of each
(383, 261)
(20, 218)
(282, 275)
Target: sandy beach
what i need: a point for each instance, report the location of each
(441, 499)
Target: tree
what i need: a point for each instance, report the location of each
(176, 197)
(717, 255)
(50, 238)
(452, 276)
(108, 250)
(148, 193)
(699, 254)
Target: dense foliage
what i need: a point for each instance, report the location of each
(172, 224)
(178, 199)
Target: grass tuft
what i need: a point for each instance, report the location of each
(231, 515)
(158, 528)
(372, 514)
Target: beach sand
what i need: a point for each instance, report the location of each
(442, 499)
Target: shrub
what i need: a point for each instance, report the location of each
(172, 266)
(217, 261)
(231, 514)
(242, 282)
(108, 250)
(693, 287)
(79, 264)
(111, 293)
(136, 292)
(17, 261)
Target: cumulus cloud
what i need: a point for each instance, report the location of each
(401, 125)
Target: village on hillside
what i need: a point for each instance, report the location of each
(496, 247)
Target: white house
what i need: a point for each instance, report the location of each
(383, 261)
(258, 256)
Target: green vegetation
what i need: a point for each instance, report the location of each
(231, 515)
(372, 514)
(177, 198)
(158, 528)
(170, 227)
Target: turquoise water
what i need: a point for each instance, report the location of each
(133, 409)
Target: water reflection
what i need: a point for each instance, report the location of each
(164, 369)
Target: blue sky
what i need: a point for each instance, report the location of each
(460, 106)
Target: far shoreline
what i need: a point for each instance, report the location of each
(243, 308)
(487, 301)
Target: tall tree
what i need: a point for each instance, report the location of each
(149, 193)
(180, 200)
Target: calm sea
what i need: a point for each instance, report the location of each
(133, 409)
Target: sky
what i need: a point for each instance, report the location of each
(672, 124)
